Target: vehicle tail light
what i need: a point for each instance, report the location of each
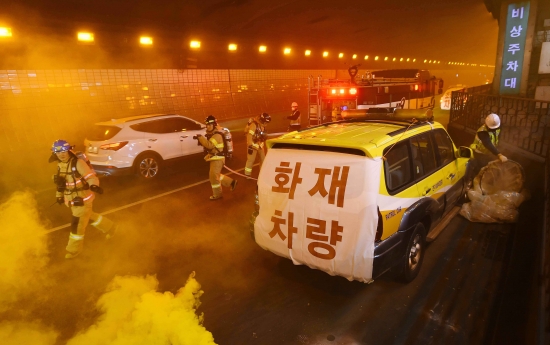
(342, 91)
(114, 146)
(352, 91)
(333, 91)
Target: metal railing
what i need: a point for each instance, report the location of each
(525, 122)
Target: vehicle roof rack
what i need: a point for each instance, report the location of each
(390, 114)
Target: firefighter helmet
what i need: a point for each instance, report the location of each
(265, 118)
(294, 104)
(492, 121)
(61, 145)
(211, 120)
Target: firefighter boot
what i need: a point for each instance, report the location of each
(75, 246)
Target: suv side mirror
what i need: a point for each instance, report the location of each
(464, 152)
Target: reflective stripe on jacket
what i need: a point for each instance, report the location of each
(478, 146)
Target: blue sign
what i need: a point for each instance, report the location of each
(514, 47)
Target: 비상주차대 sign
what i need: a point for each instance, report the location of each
(320, 209)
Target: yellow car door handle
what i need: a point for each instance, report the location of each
(427, 191)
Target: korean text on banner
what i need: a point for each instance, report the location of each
(320, 209)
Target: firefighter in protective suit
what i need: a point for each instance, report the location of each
(76, 184)
(295, 120)
(486, 142)
(214, 146)
(255, 141)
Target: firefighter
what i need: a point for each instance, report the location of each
(295, 121)
(76, 187)
(255, 141)
(214, 146)
(486, 142)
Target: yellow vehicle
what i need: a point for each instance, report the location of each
(358, 197)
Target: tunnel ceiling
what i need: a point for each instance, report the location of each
(450, 30)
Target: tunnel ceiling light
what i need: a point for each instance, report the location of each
(287, 51)
(5, 32)
(325, 54)
(341, 55)
(307, 52)
(232, 47)
(386, 58)
(376, 58)
(366, 57)
(86, 37)
(354, 56)
(262, 49)
(425, 61)
(146, 41)
(195, 44)
(408, 59)
(394, 59)
(414, 60)
(400, 59)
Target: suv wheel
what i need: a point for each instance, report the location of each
(148, 166)
(410, 265)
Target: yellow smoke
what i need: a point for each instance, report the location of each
(23, 249)
(135, 313)
(26, 333)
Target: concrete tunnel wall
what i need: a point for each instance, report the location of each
(40, 106)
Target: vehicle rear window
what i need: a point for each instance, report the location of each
(356, 152)
(100, 132)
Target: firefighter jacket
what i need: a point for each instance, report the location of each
(294, 118)
(256, 135)
(77, 180)
(482, 145)
(213, 144)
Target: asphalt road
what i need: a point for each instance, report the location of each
(169, 228)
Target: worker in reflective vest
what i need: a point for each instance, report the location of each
(486, 142)
(295, 121)
(214, 147)
(255, 141)
(76, 184)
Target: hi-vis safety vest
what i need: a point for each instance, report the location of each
(297, 121)
(478, 146)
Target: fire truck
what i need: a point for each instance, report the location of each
(394, 88)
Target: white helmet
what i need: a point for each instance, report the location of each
(492, 121)
(294, 104)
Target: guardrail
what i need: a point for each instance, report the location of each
(525, 122)
(543, 336)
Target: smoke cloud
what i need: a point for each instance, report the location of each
(135, 313)
(26, 333)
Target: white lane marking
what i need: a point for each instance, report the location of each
(141, 201)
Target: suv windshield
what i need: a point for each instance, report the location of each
(100, 132)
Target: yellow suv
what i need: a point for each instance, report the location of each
(358, 197)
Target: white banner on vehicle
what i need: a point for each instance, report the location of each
(320, 209)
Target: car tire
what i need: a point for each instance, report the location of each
(148, 166)
(414, 255)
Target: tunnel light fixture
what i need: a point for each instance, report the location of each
(5, 32)
(400, 60)
(366, 57)
(386, 58)
(85, 37)
(394, 59)
(425, 61)
(325, 54)
(195, 44)
(232, 47)
(307, 52)
(341, 55)
(262, 49)
(414, 60)
(376, 58)
(287, 51)
(146, 41)
(408, 59)
(354, 56)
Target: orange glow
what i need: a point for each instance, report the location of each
(386, 58)
(416, 87)
(195, 44)
(354, 56)
(352, 91)
(325, 54)
(146, 40)
(376, 58)
(262, 49)
(232, 47)
(308, 52)
(287, 51)
(5, 32)
(85, 37)
(333, 91)
(366, 57)
(342, 91)
(341, 55)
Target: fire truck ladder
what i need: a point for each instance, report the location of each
(313, 101)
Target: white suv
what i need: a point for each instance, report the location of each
(140, 144)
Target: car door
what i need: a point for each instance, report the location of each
(187, 129)
(448, 166)
(161, 137)
(429, 180)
